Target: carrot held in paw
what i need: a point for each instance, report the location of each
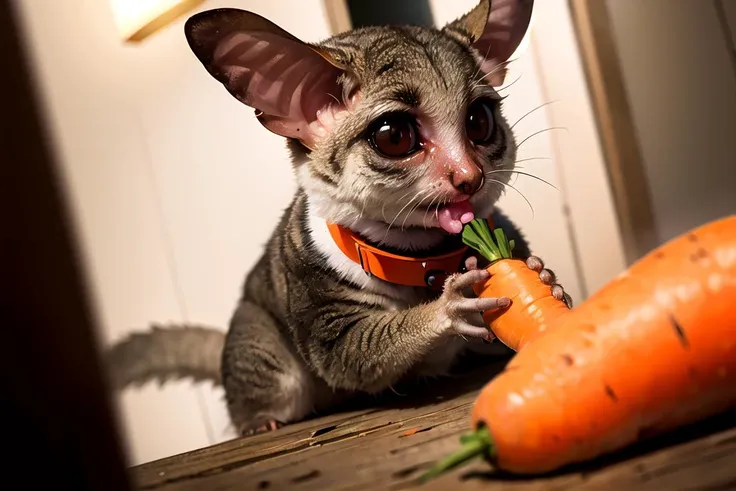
(532, 309)
(653, 350)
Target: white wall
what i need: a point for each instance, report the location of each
(679, 71)
(176, 186)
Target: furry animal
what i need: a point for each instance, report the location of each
(397, 135)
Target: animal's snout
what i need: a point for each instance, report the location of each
(466, 179)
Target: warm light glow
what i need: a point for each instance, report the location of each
(138, 19)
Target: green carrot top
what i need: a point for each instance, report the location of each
(478, 235)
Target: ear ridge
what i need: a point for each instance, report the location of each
(508, 22)
(285, 79)
(203, 30)
(470, 26)
(495, 28)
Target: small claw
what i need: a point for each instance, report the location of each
(270, 425)
(559, 293)
(568, 301)
(534, 263)
(547, 276)
(465, 329)
(471, 263)
(468, 279)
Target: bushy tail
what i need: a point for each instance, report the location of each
(166, 353)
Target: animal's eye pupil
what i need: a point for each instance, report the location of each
(394, 133)
(479, 124)
(394, 136)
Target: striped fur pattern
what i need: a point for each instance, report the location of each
(311, 328)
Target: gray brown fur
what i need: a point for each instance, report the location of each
(307, 334)
(167, 353)
(298, 317)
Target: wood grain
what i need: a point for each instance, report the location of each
(388, 445)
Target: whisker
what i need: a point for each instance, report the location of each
(336, 99)
(488, 51)
(429, 207)
(531, 158)
(419, 203)
(527, 114)
(509, 85)
(394, 391)
(520, 193)
(417, 195)
(437, 210)
(523, 174)
(539, 132)
(495, 69)
(383, 207)
(408, 203)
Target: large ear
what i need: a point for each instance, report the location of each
(495, 28)
(286, 80)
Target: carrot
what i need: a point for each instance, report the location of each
(652, 351)
(532, 309)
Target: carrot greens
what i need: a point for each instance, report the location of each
(477, 234)
(479, 443)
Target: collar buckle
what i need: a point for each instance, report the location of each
(435, 278)
(365, 269)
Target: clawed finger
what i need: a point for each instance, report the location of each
(547, 277)
(482, 304)
(558, 292)
(470, 278)
(568, 301)
(465, 329)
(534, 263)
(471, 263)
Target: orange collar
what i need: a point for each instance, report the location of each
(400, 270)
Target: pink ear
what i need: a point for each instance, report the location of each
(285, 80)
(495, 30)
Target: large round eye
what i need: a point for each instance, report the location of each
(479, 124)
(394, 135)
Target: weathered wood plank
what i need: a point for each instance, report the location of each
(391, 409)
(388, 446)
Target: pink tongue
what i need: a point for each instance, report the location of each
(453, 216)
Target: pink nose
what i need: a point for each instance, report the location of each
(466, 178)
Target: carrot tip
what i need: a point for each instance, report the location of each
(476, 444)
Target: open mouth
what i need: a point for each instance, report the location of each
(453, 216)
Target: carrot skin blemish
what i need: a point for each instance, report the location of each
(649, 352)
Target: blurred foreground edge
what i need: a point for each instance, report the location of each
(58, 422)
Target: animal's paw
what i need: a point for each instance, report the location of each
(264, 427)
(457, 311)
(548, 278)
(545, 275)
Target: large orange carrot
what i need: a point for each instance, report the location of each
(651, 351)
(532, 309)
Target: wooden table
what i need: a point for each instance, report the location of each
(389, 443)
